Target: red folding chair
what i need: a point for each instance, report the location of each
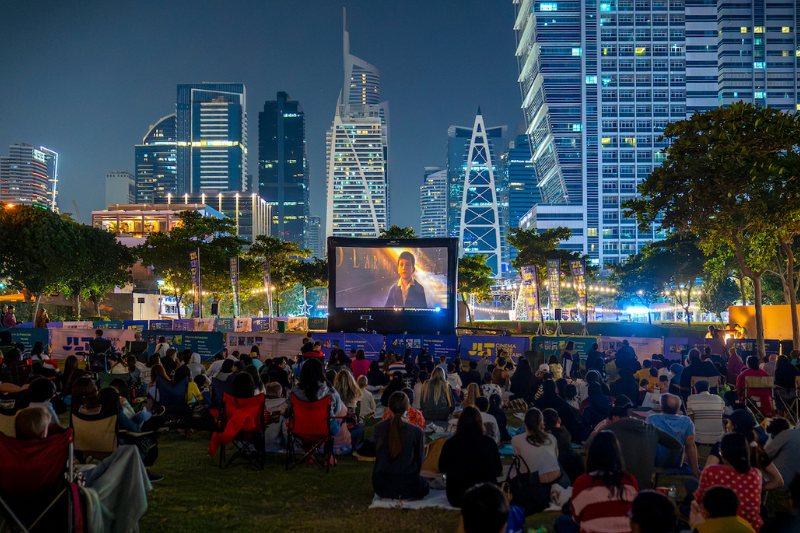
(32, 483)
(309, 428)
(243, 420)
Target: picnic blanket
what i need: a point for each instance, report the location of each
(435, 498)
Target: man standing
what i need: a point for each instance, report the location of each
(625, 356)
(407, 292)
(706, 411)
(9, 318)
(679, 426)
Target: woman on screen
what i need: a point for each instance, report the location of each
(407, 292)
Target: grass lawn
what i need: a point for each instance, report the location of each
(197, 496)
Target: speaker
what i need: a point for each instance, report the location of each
(558, 314)
(214, 309)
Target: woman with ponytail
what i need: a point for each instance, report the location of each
(737, 473)
(399, 455)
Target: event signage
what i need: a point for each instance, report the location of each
(554, 279)
(330, 341)
(108, 324)
(138, 325)
(186, 324)
(30, 336)
(270, 345)
(578, 269)
(266, 276)
(224, 324)
(435, 345)
(530, 280)
(194, 267)
(160, 324)
(260, 324)
(67, 342)
(473, 345)
(371, 344)
(555, 345)
(204, 343)
(234, 267)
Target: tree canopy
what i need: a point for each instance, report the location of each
(396, 232)
(474, 277)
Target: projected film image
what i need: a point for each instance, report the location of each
(384, 277)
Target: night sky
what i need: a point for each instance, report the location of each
(87, 78)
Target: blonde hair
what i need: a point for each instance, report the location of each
(31, 423)
(436, 386)
(346, 386)
(362, 382)
(473, 393)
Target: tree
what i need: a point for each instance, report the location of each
(100, 264)
(730, 177)
(718, 295)
(636, 280)
(678, 262)
(280, 255)
(308, 274)
(535, 248)
(474, 277)
(396, 232)
(34, 243)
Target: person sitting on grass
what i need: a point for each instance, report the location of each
(468, 457)
(399, 455)
(192, 392)
(652, 512)
(537, 451)
(718, 513)
(490, 427)
(368, 404)
(397, 383)
(496, 410)
(436, 400)
(412, 416)
(484, 509)
(274, 405)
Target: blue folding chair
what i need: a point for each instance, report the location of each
(172, 396)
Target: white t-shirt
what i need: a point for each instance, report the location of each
(490, 427)
(542, 459)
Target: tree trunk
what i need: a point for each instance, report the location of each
(761, 351)
(469, 311)
(96, 302)
(36, 307)
(178, 298)
(742, 291)
(78, 305)
(786, 245)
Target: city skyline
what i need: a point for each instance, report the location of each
(421, 58)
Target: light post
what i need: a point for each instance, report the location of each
(160, 283)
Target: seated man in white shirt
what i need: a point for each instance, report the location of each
(453, 379)
(706, 411)
(491, 429)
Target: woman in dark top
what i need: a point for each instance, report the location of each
(496, 410)
(399, 455)
(375, 376)
(522, 382)
(626, 385)
(397, 384)
(469, 457)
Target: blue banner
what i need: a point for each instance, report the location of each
(30, 336)
(186, 324)
(330, 341)
(435, 345)
(260, 324)
(108, 324)
(138, 325)
(205, 343)
(224, 325)
(556, 345)
(473, 345)
(371, 344)
(165, 325)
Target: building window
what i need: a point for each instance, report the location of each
(758, 64)
(759, 94)
(550, 6)
(576, 52)
(758, 29)
(591, 80)
(577, 127)
(591, 232)
(786, 29)
(743, 29)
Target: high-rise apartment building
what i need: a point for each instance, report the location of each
(283, 167)
(519, 173)
(601, 80)
(433, 203)
(358, 154)
(212, 137)
(156, 162)
(120, 187)
(29, 176)
(313, 238)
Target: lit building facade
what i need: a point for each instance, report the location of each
(211, 137)
(156, 161)
(283, 166)
(358, 153)
(29, 176)
(120, 187)
(313, 238)
(519, 173)
(433, 203)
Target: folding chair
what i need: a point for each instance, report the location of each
(246, 417)
(788, 401)
(104, 379)
(758, 392)
(16, 373)
(33, 488)
(98, 355)
(95, 435)
(309, 428)
(9, 407)
(173, 397)
(138, 349)
(713, 383)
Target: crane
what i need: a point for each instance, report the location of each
(77, 211)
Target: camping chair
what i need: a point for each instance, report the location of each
(16, 373)
(138, 349)
(98, 355)
(32, 483)
(173, 397)
(309, 428)
(246, 417)
(10, 405)
(713, 383)
(758, 392)
(788, 400)
(95, 435)
(104, 379)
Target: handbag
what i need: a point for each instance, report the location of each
(525, 490)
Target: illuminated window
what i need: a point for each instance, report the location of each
(606, 140)
(743, 29)
(591, 80)
(758, 64)
(606, 7)
(786, 29)
(592, 232)
(577, 127)
(758, 29)
(548, 7)
(759, 94)
(786, 53)
(576, 52)
(641, 50)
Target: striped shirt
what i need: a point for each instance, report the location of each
(594, 508)
(706, 410)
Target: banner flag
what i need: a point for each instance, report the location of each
(554, 277)
(530, 282)
(235, 284)
(194, 266)
(578, 269)
(267, 277)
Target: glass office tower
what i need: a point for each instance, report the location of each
(156, 171)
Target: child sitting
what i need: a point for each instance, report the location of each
(201, 380)
(368, 405)
(274, 405)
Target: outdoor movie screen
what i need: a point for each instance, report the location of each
(391, 278)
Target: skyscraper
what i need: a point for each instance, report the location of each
(479, 231)
(212, 137)
(29, 176)
(283, 167)
(433, 203)
(520, 174)
(120, 187)
(313, 237)
(156, 161)
(358, 151)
